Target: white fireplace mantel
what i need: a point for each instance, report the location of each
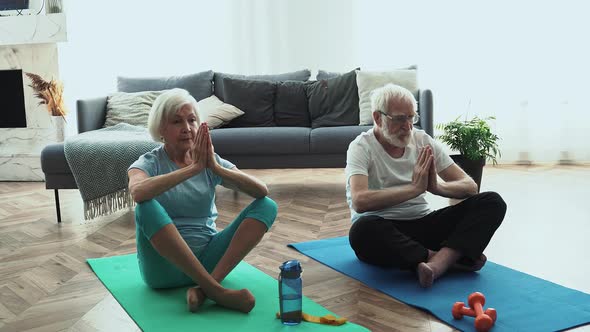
(29, 43)
(33, 29)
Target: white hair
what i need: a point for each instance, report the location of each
(381, 97)
(165, 106)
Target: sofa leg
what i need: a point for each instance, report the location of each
(57, 205)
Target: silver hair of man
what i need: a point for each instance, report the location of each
(381, 96)
(164, 107)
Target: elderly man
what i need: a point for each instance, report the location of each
(389, 170)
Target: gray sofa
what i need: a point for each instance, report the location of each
(247, 147)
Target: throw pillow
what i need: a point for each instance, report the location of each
(301, 75)
(199, 85)
(324, 75)
(254, 98)
(334, 102)
(290, 107)
(215, 112)
(132, 108)
(368, 81)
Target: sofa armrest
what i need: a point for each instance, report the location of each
(91, 113)
(425, 111)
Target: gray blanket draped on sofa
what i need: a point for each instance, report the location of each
(99, 160)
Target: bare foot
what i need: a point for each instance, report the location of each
(194, 298)
(430, 254)
(425, 275)
(241, 300)
(473, 266)
(480, 262)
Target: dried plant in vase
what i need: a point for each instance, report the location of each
(50, 93)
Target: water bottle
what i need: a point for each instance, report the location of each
(290, 292)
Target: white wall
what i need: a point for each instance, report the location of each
(478, 58)
(489, 59)
(110, 38)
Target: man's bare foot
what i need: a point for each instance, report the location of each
(430, 254)
(473, 265)
(425, 275)
(241, 300)
(479, 263)
(194, 298)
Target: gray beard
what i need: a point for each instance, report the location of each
(393, 140)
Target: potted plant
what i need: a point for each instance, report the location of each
(475, 142)
(50, 93)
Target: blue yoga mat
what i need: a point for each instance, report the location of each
(523, 302)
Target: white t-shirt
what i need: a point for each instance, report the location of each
(366, 156)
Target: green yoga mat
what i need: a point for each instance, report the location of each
(165, 310)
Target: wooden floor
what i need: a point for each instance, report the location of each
(46, 285)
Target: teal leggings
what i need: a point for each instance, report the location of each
(157, 272)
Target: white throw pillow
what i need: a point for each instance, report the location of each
(215, 112)
(130, 107)
(367, 81)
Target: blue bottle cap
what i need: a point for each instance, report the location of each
(291, 269)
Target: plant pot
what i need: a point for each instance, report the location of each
(473, 168)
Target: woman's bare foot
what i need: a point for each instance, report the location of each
(425, 275)
(194, 298)
(241, 300)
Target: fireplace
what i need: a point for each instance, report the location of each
(13, 100)
(28, 43)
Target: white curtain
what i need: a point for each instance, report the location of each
(278, 36)
(524, 62)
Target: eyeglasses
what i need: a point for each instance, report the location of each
(399, 119)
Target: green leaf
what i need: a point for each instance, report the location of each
(472, 138)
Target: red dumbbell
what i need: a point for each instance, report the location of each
(484, 320)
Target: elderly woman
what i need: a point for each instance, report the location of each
(174, 186)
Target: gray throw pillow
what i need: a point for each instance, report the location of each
(290, 107)
(254, 98)
(324, 75)
(334, 102)
(300, 75)
(199, 85)
(132, 108)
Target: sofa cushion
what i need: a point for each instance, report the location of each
(199, 85)
(324, 75)
(300, 75)
(215, 112)
(334, 102)
(290, 107)
(254, 98)
(331, 140)
(260, 141)
(368, 81)
(132, 108)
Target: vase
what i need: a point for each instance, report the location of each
(54, 6)
(59, 124)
